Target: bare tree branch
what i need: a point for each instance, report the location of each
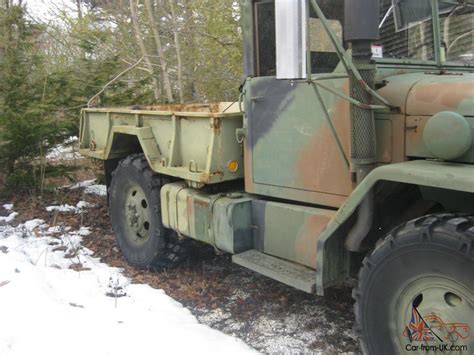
(113, 80)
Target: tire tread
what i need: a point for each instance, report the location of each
(460, 228)
(175, 248)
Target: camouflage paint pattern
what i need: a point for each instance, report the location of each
(290, 145)
(427, 92)
(303, 224)
(291, 154)
(221, 220)
(300, 194)
(422, 95)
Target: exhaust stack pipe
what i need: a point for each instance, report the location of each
(361, 29)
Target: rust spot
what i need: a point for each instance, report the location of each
(189, 206)
(248, 171)
(211, 108)
(202, 203)
(204, 178)
(215, 124)
(363, 84)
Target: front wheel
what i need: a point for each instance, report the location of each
(135, 213)
(416, 289)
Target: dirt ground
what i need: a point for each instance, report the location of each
(271, 317)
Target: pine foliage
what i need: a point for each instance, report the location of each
(50, 69)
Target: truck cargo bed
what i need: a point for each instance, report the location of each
(196, 143)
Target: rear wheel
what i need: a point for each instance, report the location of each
(416, 290)
(135, 213)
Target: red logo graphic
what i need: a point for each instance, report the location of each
(453, 331)
(422, 329)
(418, 330)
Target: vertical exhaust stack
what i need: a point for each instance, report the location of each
(361, 29)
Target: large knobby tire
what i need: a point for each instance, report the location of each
(135, 213)
(421, 274)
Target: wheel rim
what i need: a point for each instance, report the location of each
(434, 311)
(137, 214)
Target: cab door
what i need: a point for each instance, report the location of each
(291, 152)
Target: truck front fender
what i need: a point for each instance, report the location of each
(332, 260)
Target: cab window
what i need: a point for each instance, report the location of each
(457, 32)
(406, 30)
(265, 43)
(280, 34)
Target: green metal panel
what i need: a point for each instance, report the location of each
(194, 146)
(443, 175)
(456, 146)
(288, 231)
(293, 151)
(220, 220)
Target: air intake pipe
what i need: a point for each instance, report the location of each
(361, 29)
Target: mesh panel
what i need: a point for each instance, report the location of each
(363, 125)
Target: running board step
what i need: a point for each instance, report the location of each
(295, 275)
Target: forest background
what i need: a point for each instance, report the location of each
(130, 51)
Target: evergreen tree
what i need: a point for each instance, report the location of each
(27, 127)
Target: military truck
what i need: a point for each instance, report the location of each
(349, 153)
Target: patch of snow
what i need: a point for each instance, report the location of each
(55, 229)
(71, 139)
(84, 231)
(82, 184)
(100, 190)
(90, 187)
(9, 218)
(8, 206)
(65, 151)
(81, 205)
(32, 224)
(62, 208)
(47, 307)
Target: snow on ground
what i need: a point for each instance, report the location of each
(81, 205)
(90, 187)
(9, 218)
(82, 184)
(55, 298)
(100, 190)
(65, 151)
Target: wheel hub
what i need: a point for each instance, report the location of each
(137, 214)
(434, 311)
